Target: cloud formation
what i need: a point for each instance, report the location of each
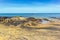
(29, 6)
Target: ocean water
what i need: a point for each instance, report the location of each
(37, 15)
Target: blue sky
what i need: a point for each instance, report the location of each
(29, 6)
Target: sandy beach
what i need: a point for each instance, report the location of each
(47, 31)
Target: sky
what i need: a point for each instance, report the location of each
(29, 6)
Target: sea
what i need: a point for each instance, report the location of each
(37, 15)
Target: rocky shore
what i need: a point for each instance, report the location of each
(22, 28)
(26, 22)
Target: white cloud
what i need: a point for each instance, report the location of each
(32, 9)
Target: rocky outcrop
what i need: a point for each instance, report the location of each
(25, 22)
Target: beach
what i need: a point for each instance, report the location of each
(44, 31)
